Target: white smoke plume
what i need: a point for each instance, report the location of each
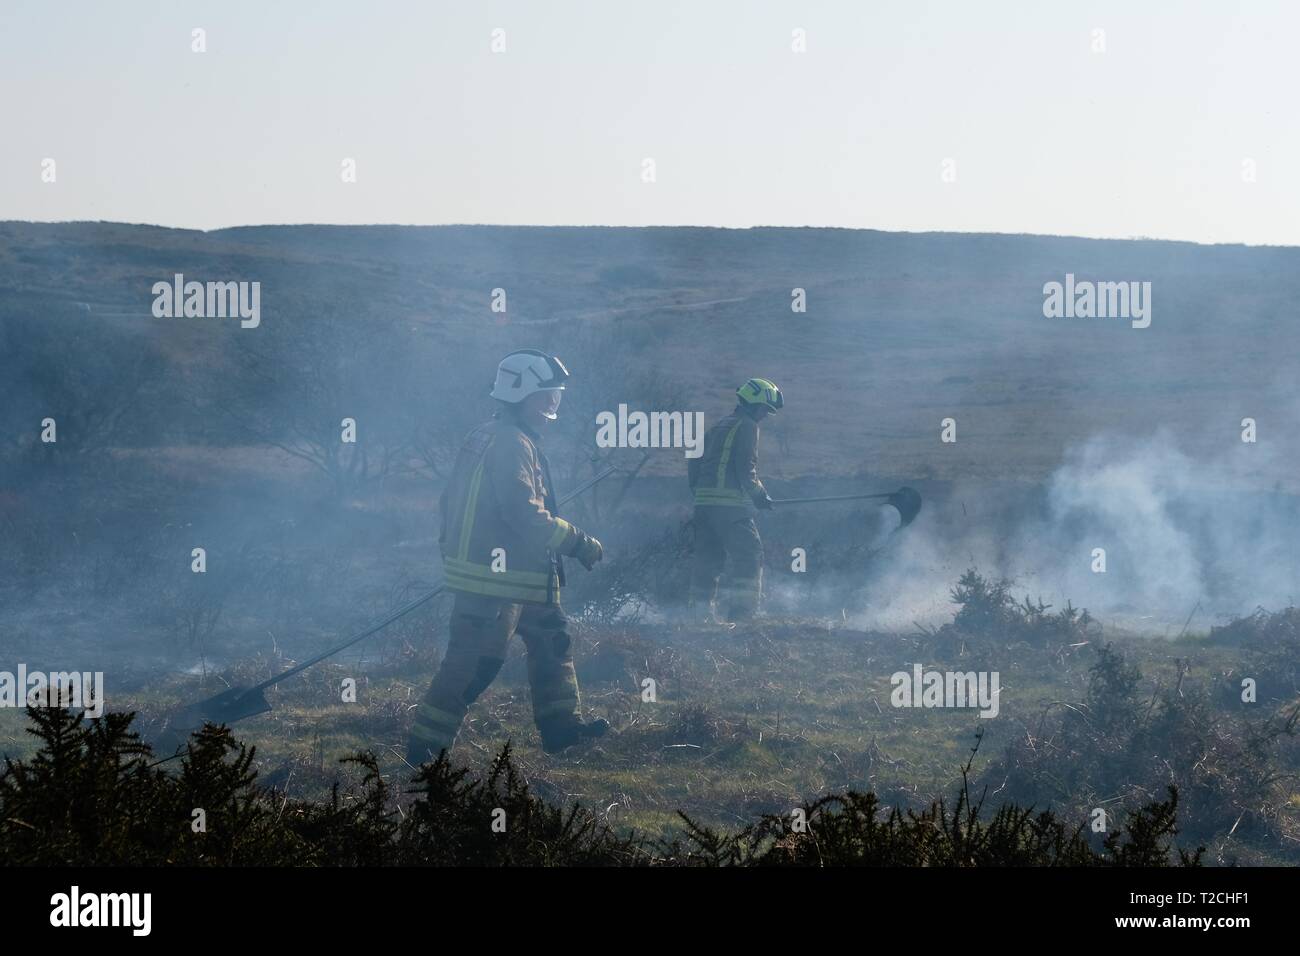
(1182, 537)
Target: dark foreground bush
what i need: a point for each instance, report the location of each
(851, 830)
(93, 795)
(1118, 747)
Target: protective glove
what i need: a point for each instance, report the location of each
(763, 501)
(587, 550)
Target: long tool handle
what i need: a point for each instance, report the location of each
(804, 501)
(405, 608)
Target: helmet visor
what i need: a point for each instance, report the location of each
(550, 399)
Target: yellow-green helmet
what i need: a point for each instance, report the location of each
(759, 391)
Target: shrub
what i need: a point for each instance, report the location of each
(853, 830)
(1115, 750)
(987, 610)
(93, 795)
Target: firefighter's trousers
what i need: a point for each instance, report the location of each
(481, 629)
(727, 546)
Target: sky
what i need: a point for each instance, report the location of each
(1178, 120)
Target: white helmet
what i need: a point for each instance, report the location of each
(522, 373)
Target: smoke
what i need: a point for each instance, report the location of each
(1209, 539)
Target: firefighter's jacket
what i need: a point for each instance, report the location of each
(500, 497)
(727, 472)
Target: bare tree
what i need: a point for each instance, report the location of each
(296, 395)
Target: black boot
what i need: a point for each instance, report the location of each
(556, 739)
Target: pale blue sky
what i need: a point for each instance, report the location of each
(1148, 138)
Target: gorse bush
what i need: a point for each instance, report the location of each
(1261, 629)
(94, 795)
(498, 822)
(1118, 749)
(1111, 698)
(852, 830)
(1272, 639)
(987, 608)
(90, 797)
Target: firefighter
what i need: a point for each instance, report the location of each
(501, 544)
(725, 482)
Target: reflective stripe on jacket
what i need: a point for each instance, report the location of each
(497, 498)
(727, 472)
